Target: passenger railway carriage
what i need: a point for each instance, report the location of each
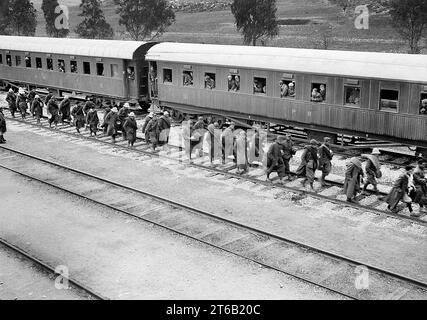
(375, 95)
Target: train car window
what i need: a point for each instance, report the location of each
(233, 83)
(18, 60)
(73, 66)
(209, 80)
(131, 73)
(260, 85)
(28, 62)
(423, 103)
(167, 75)
(187, 78)
(61, 65)
(49, 63)
(100, 69)
(318, 92)
(86, 67)
(9, 60)
(1, 58)
(287, 88)
(389, 100)
(114, 70)
(352, 95)
(39, 63)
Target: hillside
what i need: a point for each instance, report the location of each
(303, 23)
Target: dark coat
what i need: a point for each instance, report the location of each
(31, 96)
(64, 108)
(130, 126)
(420, 183)
(53, 108)
(145, 123)
(21, 102)
(11, 100)
(88, 106)
(153, 129)
(353, 176)
(47, 99)
(309, 160)
(164, 128)
(123, 114)
(400, 188)
(3, 128)
(37, 107)
(78, 115)
(111, 120)
(287, 148)
(93, 120)
(325, 154)
(274, 155)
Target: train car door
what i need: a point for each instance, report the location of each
(132, 80)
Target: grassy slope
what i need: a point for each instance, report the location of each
(218, 27)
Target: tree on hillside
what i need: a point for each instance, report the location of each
(48, 7)
(94, 25)
(410, 20)
(145, 19)
(21, 18)
(256, 19)
(343, 4)
(4, 8)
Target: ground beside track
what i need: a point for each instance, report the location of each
(384, 242)
(123, 258)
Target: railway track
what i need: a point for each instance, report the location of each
(331, 193)
(75, 285)
(325, 269)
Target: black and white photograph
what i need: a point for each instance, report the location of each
(213, 154)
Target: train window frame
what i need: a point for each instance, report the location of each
(423, 96)
(18, 61)
(187, 78)
(317, 85)
(354, 86)
(86, 68)
(74, 66)
(233, 78)
(170, 72)
(9, 60)
(392, 110)
(263, 83)
(1, 58)
(49, 64)
(100, 72)
(28, 62)
(114, 70)
(39, 61)
(212, 76)
(287, 81)
(61, 63)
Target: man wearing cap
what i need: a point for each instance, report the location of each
(106, 111)
(37, 107)
(399, 192)
(92, 120)
(275, 159)
(419, 194)
(111, 120)
(2, 126)
(373, 170)
(164, 128)
(21, 102)
(353, 177)
(153, 131)
(291, 89)
(287, 153)
(79, 116)
(64, 109)
(130, 126)
(53, 110)
(123, 114)
(31, 97)
(325, 158)
(309, 163)
(145, 122)
(11, 100)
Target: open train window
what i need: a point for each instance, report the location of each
(18, 61)
(233, 83)
(28, 62)
(260, 85)
(167, 75)
(86, 67)
(49, 63)
(210, 80)
(39, 63)
(352, 95)
(423, 103)
(1, 58)
(287, 88)
(114, 70)
(9, 60)
(100, 69)
(61, 65)
(187, 78)
(73, 66)
(318, 92)
(389, 100)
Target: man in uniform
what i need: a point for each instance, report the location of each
(325, 159)
(92, 120)
(53, 110)
(11, 100)
(309, 163)
(37, 107)
(275, 159)
(287, 154)
(164, 128)
(21, 102)
(145, 122)
(65, 110)
(123, 114)
(373, 170)
(2, 126)
(130, 126)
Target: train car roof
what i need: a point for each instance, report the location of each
(386, 66)
(69, 46)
